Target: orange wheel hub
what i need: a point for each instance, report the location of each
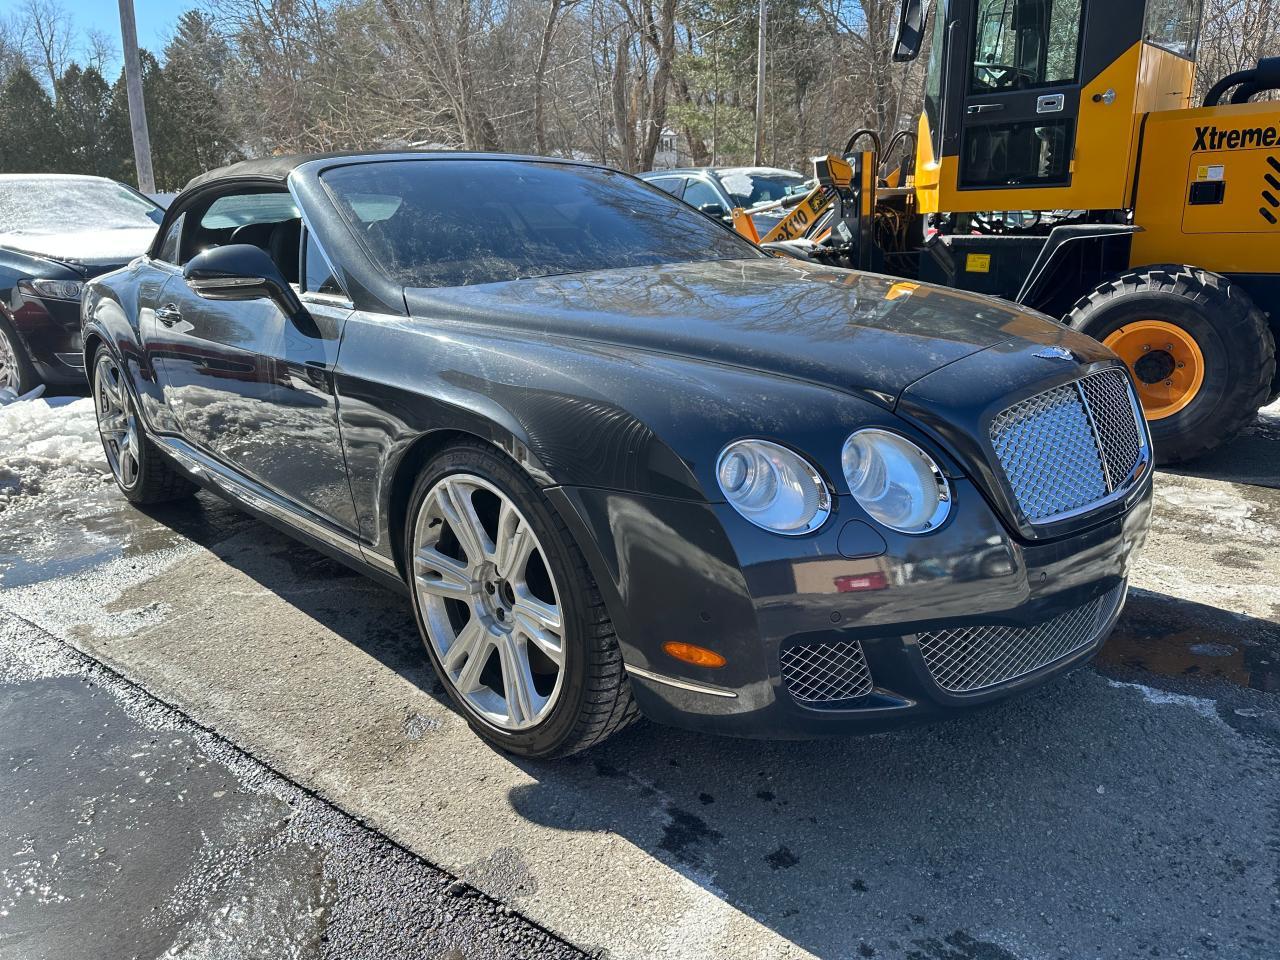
(1166, 362)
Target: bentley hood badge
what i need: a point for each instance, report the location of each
(1055, 353)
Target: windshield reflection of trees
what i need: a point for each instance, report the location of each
(465, 222)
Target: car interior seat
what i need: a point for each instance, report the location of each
(254, 234)
(284, 245)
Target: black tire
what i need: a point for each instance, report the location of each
(595, 699)
(22, 369)
(154, 480)
(1232, 334)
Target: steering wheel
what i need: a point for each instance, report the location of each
(995, 76)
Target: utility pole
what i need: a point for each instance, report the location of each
(759, 88)
(137, 106)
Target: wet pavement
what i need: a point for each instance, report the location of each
(130, 832)
(1126, 810)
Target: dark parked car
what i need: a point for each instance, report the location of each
(56, 231)
(716, 191)
(620, 459)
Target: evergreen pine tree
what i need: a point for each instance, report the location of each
(29, 138)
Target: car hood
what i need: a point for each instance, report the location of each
(854, 331)
(90, 251)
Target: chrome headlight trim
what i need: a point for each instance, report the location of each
(794, 476)
(936, 487)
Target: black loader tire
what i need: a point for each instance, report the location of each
(1231, 332)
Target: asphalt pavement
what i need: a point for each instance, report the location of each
(1129, 809)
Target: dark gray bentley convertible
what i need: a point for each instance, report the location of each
(622, 461)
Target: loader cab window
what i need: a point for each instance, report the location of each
(933, 77)
(1017, 131)
(1024, 44)
(1174, 25)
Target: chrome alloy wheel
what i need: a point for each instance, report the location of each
(117, 422)
(8, 364)
(489, 601)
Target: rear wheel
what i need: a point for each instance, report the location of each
(1201, 354)
(140, 471)
(513, 622)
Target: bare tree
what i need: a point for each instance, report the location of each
(46, 37)
(1235, 34)
(11, 52)
(100, 51)
(554, 8)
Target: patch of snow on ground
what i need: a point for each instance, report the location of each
(1206, 708)
(46, 446)
(1218, 510)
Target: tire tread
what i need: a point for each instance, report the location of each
(1238, 321)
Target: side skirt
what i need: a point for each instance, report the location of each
(275, 510)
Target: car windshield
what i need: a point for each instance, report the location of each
(747, 188)
(447, 223)
(43, 204)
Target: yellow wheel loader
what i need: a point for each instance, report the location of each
(1060, 163)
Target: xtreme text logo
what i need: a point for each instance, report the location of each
(1211, 138)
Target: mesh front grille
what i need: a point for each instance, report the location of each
(965, 659)
(823, 672)
(1108, 396)
(1068, 447)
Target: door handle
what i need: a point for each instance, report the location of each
(984, 107)
(169, 314)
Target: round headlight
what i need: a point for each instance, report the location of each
(773, 487)
(895, 481)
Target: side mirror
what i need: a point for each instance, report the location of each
(714, 210)
(240, 271)
(910, 35)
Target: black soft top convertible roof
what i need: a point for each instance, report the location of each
(279, 168)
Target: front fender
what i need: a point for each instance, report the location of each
(111, 314)
(571, 413)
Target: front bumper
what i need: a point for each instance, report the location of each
(699, 573)
(50, 331)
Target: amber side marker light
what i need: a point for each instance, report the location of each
(698, 656)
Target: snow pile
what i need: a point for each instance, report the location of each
(47, 445)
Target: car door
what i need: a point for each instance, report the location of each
(249, 387)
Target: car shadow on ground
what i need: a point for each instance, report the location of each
(969, 837)
(1000, 833)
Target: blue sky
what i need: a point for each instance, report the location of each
(156, 19)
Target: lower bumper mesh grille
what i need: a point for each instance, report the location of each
(825, 672)
(965, 659)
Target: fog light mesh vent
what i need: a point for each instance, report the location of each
(823, 672)
(965, 659)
